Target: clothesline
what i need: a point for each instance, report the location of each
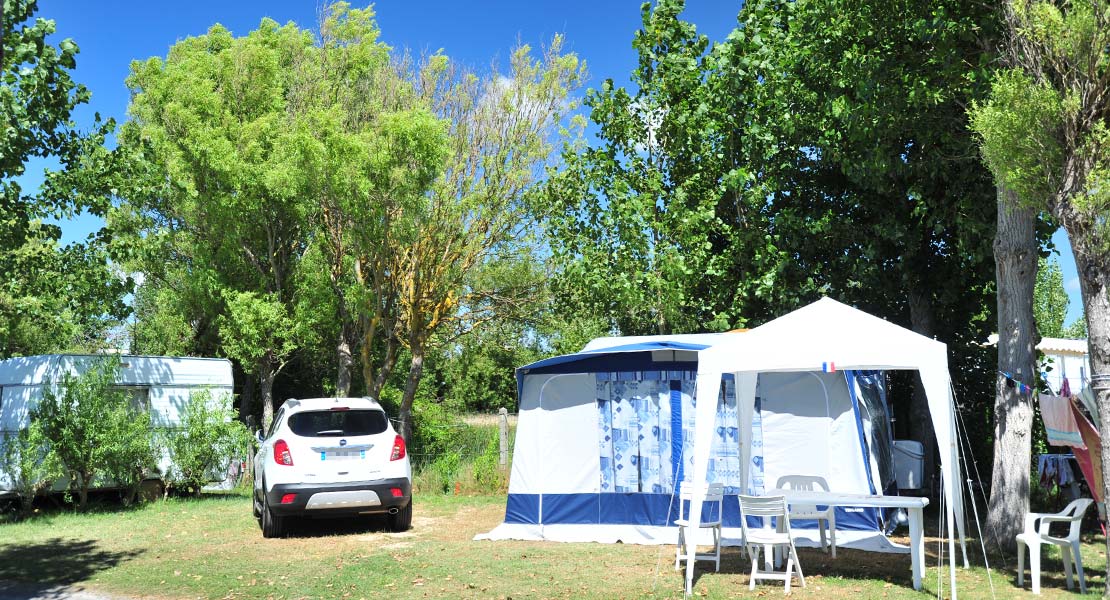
(1022, 387)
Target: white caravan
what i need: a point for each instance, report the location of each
(162, 384)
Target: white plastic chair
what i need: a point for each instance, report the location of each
(767, 508)
(1037, 533)
(711, 494)
(826, 519)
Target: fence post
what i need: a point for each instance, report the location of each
(503, 426)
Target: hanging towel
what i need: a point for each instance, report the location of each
(1059, 422)
(1090, 457)
(1087, 397)
(1065, 389)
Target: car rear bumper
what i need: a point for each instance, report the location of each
(330, 499)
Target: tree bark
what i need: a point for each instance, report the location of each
(343, 372)
(1015, 256)
(921, 320)
(84, 479)
(388, 363)
(266, 382)
(416, 368)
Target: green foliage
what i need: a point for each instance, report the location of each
(1050, 300)
(160, 327)
(488, 472)
(257, 329)
(207, 440)
(1016, 125)
(30, 464)
(1077, 330)
(1044, 129)
(94, 429)
(638, 224)
(37, 99)
(133, 449)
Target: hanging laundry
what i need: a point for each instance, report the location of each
(1059, 422)
(1065, 389)
(1055, 469)
(1090, 457)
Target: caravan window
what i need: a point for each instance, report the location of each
(137, 395)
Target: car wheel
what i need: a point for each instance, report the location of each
(402, 519)
(256, 506)
(273, 526)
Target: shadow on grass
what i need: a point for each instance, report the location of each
(316, 528)
(57, 561)
(816, 564)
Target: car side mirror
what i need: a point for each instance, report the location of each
(258, 436)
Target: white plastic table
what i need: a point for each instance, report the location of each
(914, 507)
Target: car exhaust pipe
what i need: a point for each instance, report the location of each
(394, 510)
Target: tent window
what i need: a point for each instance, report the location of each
(634, 435)
(635, 412)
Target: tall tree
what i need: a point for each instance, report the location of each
(37, 100)
(1045, 131)
(643, 224)
(212, 121)
(1050, 300)
(500, 130)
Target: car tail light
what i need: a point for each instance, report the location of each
(288, 498)
(338, 408)
(398, 449)
(281, 453)
(396, 492)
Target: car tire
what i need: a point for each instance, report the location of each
(256, 506)
(401, 520)
(273, 526)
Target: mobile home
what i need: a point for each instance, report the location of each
(161, 384)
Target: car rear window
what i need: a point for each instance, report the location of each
(334, 423)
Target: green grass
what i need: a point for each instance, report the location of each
(211, 548)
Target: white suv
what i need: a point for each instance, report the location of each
(326, 457)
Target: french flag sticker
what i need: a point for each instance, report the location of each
(828, 367)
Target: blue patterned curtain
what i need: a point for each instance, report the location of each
(634, 424)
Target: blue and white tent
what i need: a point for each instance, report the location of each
(604, 434)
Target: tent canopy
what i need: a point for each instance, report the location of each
(829, 336)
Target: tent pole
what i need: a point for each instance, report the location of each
(951, 537)
(958, 489)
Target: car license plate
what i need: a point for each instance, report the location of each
(342, 454)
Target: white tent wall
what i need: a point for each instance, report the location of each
(552, 406)
(810, 428)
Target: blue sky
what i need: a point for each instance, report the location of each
(112, 33)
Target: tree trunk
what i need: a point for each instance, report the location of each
(416, 369)
(1093, 267)
(246, 403)
(343, 374)
(388, 363)
(1015, 257)
(266, 382)
(921, 320)
(83, 489)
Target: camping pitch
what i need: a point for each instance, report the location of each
(604, 434)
